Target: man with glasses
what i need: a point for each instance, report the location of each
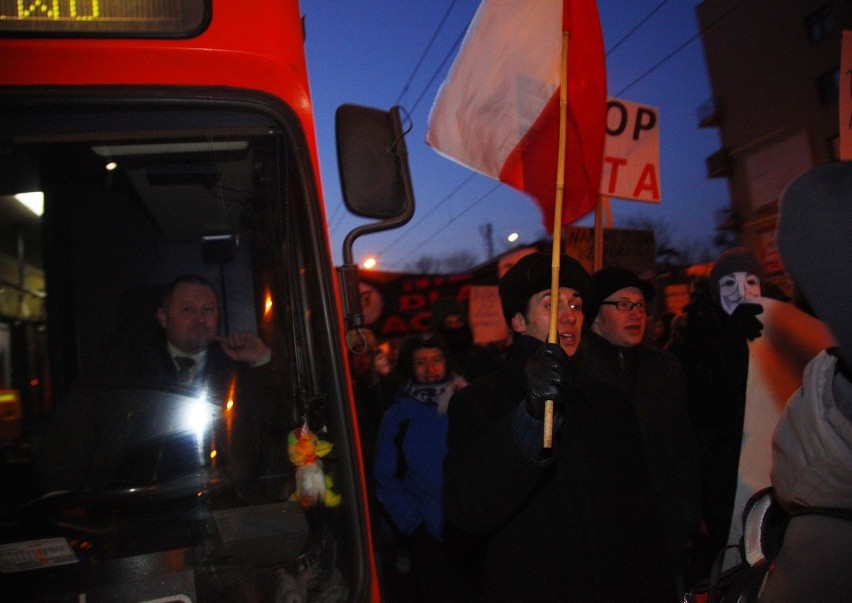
(650, 381)
(618, 309)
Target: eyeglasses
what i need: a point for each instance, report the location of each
(626, 306)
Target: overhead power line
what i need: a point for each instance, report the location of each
(425, 52)
(425, 89)
(429, 213)
(451, 221)
(431, 81)
(666, 58)
(636, 27)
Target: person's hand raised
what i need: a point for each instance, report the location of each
(744, 320)
(244, 347)
(547, 374)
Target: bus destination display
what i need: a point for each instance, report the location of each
(103, 18)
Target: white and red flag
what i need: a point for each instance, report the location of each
(498, 110)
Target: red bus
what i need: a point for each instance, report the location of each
(141, 142)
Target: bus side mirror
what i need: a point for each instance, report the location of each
(373, 162)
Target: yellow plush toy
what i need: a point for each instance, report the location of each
(305, 450)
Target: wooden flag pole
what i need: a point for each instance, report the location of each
(597, 263)
(556, 253)
(601, 208)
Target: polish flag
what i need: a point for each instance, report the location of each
(498, 110)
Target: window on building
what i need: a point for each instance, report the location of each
(828, 85)
(820, 24)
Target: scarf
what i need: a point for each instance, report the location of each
(437, 394)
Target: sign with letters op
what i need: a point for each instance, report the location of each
(631, 166)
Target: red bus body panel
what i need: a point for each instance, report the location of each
(238, 49)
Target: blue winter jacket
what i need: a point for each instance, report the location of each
(409, 460)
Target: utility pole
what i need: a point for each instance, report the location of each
(485, 230)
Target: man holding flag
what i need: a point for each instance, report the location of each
(516, 108)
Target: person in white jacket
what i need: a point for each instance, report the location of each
(812, 445)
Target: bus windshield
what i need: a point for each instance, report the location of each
(123, 479)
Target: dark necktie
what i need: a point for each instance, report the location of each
(185, 372)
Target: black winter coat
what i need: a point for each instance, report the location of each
(654, 383)
(583, 525)
(715, 362)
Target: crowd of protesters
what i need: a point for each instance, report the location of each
(633, 498)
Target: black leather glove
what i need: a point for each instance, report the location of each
(744, 321)
(547, 374)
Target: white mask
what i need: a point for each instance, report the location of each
(737, 287)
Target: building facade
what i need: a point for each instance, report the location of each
(774, 69)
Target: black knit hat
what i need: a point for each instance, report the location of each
(815, 244)
(607, 281)
(736, 259)
(532, 274)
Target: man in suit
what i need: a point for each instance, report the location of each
(143, 389)
(189, 316)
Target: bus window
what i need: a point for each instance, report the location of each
(122, 482)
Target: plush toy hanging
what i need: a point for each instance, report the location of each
(305, 450)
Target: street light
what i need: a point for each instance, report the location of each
(370, 263)
(513, 237)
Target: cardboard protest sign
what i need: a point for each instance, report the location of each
(631, 168)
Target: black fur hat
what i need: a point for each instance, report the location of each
(532, 274)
